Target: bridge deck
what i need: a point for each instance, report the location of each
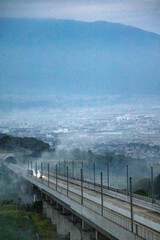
(149, 217)
(146, 222)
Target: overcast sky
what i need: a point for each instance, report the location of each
(144, 14)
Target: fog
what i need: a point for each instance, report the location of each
(124, 133)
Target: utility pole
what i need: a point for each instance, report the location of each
(101, 193)
(56, 177)
(64, 168)
(67, 182)
(28, 168)
(31, 169)
(73, 169)
(152, 185)
(131, 203)
(108, 174)
(127, 180)
(81, 171)
(36, 169)
(59, 167)
(94, 173)
(48, 175)
(41, 171)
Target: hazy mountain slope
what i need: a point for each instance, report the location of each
(63, 57)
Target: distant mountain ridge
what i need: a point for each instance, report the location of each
(70, 57)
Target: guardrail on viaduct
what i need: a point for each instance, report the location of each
(115, 224)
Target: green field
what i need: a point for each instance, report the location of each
(19, 223)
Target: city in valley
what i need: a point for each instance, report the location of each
(132, 130)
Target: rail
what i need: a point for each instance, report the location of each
(108, 191)
(138, 229)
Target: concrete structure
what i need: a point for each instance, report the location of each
(96, 219)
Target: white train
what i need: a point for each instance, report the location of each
(33, 173)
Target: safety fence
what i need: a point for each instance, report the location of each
(60, 186)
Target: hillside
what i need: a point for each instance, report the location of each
(33, 145)
(57, 57)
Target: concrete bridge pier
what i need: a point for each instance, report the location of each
(53, 203)
(74, 219)
(44, 207)
(35, 199)
(45, 197)
(86, 227)
(61, 225)
(49, 211)
(54, 216)
(102, 237)
(96, 235)
(57, 206)
(86, 235)
(25, 191)
(61, 217)
(68, 224)
(75, 233)
(88, 232)
(65, 212)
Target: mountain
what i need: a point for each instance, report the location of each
(13, 144)
(57, 57)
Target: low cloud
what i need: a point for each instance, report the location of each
(143, 14)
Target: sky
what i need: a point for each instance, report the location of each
(144, 14)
